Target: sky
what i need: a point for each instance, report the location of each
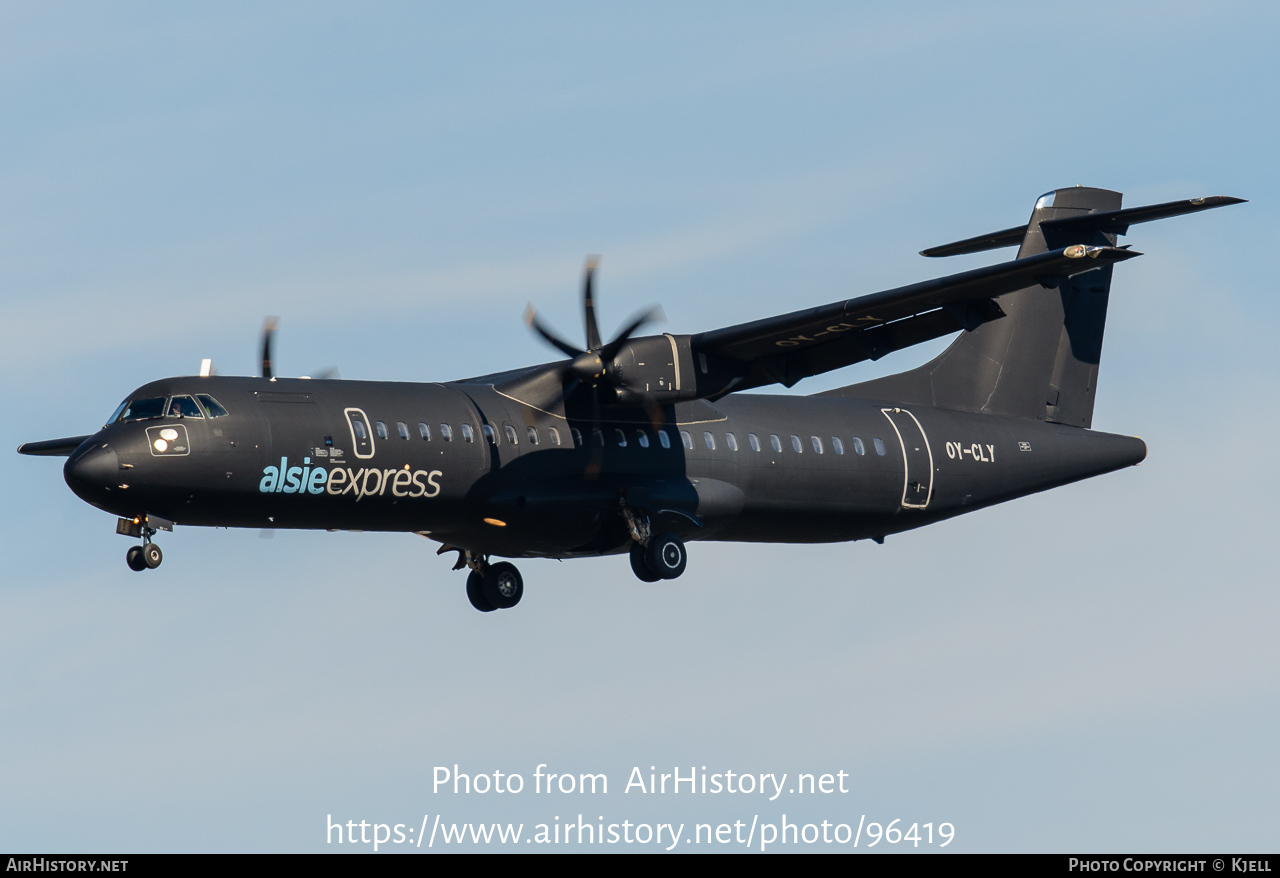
(1093, 669)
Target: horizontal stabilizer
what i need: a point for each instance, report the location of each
(1117, 222)
(991, 241)
(53, 447)
(1081, 228)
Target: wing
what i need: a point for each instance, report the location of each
(793, 346)
(53, 447)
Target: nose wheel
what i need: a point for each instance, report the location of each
(145, 557)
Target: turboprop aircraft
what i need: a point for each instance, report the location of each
(643, 443)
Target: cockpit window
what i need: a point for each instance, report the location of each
(119, 411)
(211, 406)
(142, 409)
(184, 407)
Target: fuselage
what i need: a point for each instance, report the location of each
(476, 469)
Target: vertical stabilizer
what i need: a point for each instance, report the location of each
(1040, 360)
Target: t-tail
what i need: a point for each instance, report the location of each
(1041, 359)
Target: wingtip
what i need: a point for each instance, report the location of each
(1217, 200)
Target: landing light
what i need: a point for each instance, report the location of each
(161, 445)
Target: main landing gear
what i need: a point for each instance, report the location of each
(654, 557)
(492, 586)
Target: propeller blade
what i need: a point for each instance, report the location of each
(558, 400)
(268, 330)
(531, 318)
(592, 470)
(589, 304)
(609, 351)
(328, 374)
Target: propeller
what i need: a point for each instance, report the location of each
(268, 334)
(592, 366)
(268, 330)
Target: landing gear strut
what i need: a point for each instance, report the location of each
(492, 586)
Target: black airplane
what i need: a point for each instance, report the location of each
(641, 444)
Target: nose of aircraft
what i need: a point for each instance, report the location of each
(92, 470)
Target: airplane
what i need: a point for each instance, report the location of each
(642, 444)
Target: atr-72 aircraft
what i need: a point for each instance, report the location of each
(640, 444)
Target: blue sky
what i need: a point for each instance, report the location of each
(1090, 669)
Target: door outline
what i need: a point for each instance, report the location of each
(355, 441)
(906, 460)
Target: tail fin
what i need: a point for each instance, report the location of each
(1041, 360)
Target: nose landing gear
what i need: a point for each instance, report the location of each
(147, 556)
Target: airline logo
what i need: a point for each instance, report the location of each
(339, 481)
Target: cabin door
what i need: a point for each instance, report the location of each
(917, 481)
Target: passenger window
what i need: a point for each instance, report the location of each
(642, 438)
(555, 435)
(577, 436)
(795, 443)
(211, 406)
(358, 426)
(424, 431)
(511, 434)
(621, 437)
(836, 445)
(488, 433)
(141, 409)
(817, 444)
(879, 446)
(775, 443)
(686, 439)
(731, 440)
(710, 440)
(446, 432)
(754, 441)
(532, 433)
(380, 427)
(403, 429)
(597, 436)
(858, 447)
(664, 439)
(184, 407)
(468, 435)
